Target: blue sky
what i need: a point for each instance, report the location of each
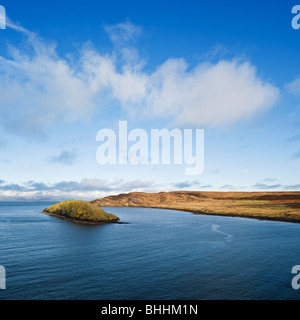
(71, 68)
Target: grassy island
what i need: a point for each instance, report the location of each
(81, 211)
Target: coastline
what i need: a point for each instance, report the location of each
(272, 206)
(232, 215)
(263, 218)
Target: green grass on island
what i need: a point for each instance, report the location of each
(81, 211)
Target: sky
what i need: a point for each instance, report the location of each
(71, 68)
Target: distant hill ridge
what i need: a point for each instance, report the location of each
(283, 206)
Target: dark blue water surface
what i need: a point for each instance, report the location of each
(160, 254)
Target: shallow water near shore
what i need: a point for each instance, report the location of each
(159, 254)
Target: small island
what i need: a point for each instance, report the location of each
(81, 212)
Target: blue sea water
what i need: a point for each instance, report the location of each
(159, 254)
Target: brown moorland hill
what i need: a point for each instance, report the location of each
(283, 206)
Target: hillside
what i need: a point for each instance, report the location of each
(284, 206)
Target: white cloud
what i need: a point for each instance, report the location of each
(18, 27)
(38, 87)
(209, 94)
(122, 33)
(294, 87)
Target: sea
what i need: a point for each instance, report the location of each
(154, 255)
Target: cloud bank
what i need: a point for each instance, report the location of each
(38, 87)
(90, 189)
(86, 189)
